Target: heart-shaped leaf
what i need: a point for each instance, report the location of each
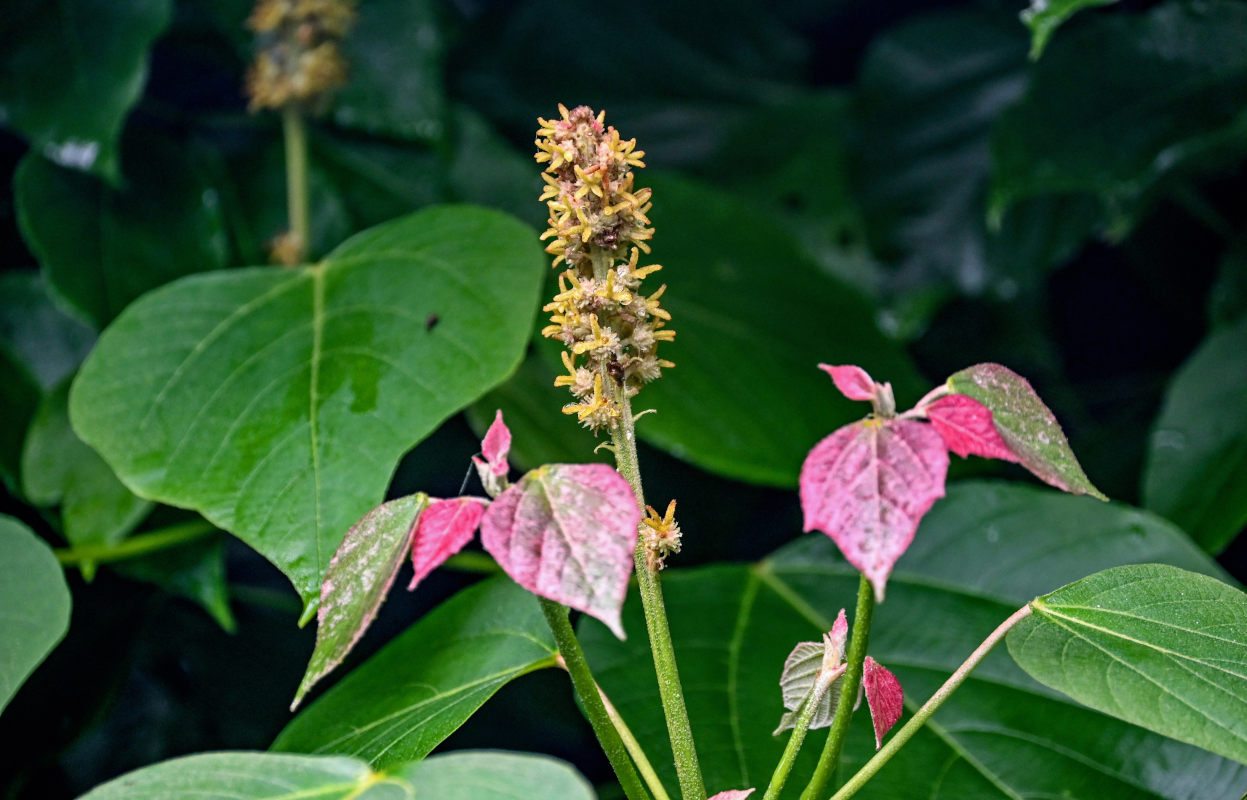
(358, 579)
(277, 401)
(35, 600)
(1151, 644)
(967, 428)
(443, 530)
(567, 533)
(1028, 427)
(883, 696)
(867, 486)
(422, 686)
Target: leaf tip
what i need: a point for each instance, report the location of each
(853, 382)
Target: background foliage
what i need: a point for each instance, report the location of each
(896, 185)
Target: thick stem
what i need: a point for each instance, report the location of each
(799, 729)
(928, 708)
(591, 699)
(830, 758)
(295, 130)
(634, 749)
(135, 546)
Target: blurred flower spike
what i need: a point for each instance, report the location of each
(298, 59)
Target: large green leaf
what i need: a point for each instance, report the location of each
(754, 317)
(195, 570)
(276, 402)
(1043, 17)
(241, 775)
(47, 340)
(1152, 644)
(495, 775)
(34, 604)
(1156, 94)
(69, 72)
(422, 686)
(100, 248)
(981, 553)
(1196, 472)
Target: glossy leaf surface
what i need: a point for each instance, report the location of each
(358, 579)
(422, 686)
(277, 401)
(980, 554)
(36, 604)
(1156, 645)
(1027, 426)
(495, 775)
(1196, 472)
(567, 532)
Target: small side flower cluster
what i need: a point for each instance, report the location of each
(598, 229)
(298, 59)
(661, 535)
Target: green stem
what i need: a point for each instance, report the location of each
(591, 699)
(135, 546)
(799, 729)
(634, 749)
(830, 759)
(295, 130)
(928, 708)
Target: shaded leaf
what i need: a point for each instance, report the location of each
(70, 71)
(1027, 426)
(1043, 17)
(1196, 473)
(567, 532)
(883, 696)
(42, 336)
(441, 531)
(277, 401)
(195, 570)
(422, 686)
(495, 775)
(1152, 644)
(867, 486)
(357, 581)
(36, 604)
(19, 397)
(967, 428)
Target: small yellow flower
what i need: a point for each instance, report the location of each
(661, 535)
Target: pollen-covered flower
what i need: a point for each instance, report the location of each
(661, 535)
(298, 60)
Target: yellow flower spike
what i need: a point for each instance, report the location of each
(570, 378)
(661, 535)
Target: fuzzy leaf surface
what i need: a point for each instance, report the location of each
(867, 486)
(441, 531)
(883, 696)
(35, 603)
(853, 382)
(495, 775)
(276, 402)
(404, 701)
(1152, 644)
(1027, 426)
(358, 579)
(967, 428)
(567, 533)
(981, 553)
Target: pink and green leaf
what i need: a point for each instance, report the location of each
(967, 428)
(853, 382)
(868, 485)
(797, 682)
(883, 696)
(1028, 427)
(567, 532)
(356, 582)
(443, 530)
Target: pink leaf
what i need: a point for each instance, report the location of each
(444, 528)
(496, 445)
(867, 486)
(567, 532)
(883, 695)
(853, 382)
(732, 794)
(967, 428)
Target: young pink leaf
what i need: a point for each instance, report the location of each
(1028, 427)
(567, 532)
(443, 530)
(357, 580)
(732, 794)
(853, 382)
(496, 445)
(966, 427)
(883, 696)
(867, 486)
(802, 670)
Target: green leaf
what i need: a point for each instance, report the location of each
(357, 581)
(69, 72)
(422, 686)
(195, 570)
(19, 397)
(981, 553)
(754, 317)
(100, 248)
(1227, 299)
(276, 402)
(1151, 644)
(495, 775)
(1045, 16)
(240, 775)
(47, 340)
(1157, 94)
(377, 180)
(1196, 473)
(59, 469)
(1027, 426)
(35, 601)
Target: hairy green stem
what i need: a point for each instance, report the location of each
(928, 708)
(591, 699)
(135, 546)
(642, 762)
(295, 130)
(799, 729)
(830, 758)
